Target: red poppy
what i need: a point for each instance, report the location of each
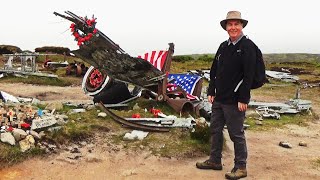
(72, 25)
(137, 115)
(10, 128)
(89, 22)
(155, 112)
(81, 39)
(86, 38)
(87, 34)
(76, 35)
(25, 125)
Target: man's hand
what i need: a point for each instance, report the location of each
(211, 99)
(242, 106)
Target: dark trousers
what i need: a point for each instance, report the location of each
(228, 114)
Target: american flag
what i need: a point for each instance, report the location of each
(185, 81)
(156, 58)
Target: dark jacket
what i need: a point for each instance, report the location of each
(233, 64)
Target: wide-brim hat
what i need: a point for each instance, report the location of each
(233, 15)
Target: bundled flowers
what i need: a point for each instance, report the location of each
(155, 112)
(84, 37)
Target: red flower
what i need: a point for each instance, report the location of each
(9, 128)
(72, 25)
(89, 22)
(137, 115)
(155, 112)
(76, 34)
(81, 39)
(86, 33)
(25, 125)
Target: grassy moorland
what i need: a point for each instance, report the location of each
(178, 142)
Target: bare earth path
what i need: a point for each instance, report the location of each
(266, 160)
(46, 93)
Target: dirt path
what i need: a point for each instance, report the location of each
(46, 93)
(267, 160)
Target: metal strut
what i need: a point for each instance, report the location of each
(131, 124)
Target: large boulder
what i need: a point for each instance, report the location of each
(19, 134)
(8, 138)
(27, 143)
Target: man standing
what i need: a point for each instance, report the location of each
(231, 77)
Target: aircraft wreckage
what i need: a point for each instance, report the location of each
(113, 68)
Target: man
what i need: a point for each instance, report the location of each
(231, 77)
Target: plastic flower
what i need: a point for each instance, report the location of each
(84, 37)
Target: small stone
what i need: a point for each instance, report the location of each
(63, 147)
(62, 116)
(258, 123)
(90, 145)
(74, 156)
(90, 107)
(35, 135)
(136, 107)
(8, 138)
(302, 143)
(102, 114)
(52, 147)
(54, 106)
(83, 143)
(42, 134)
(129, 172)
(54, 129)
(92, 158)
(285, 144)
(19, 134)
(75, 150)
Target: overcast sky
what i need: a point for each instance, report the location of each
(138, 26)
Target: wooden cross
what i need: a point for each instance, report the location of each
(29, 111)
(20, 119)
(5, 121)
(2, 111)
(10, 114)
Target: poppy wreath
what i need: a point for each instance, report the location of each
(84, 37)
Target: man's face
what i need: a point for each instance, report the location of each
(234, 29)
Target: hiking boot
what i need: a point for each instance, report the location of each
(209, 165)
(236, 173)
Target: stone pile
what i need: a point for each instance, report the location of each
(23, 124)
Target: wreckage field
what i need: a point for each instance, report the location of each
(72, 137)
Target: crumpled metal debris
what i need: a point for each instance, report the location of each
(287, 77)
(266, 112)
